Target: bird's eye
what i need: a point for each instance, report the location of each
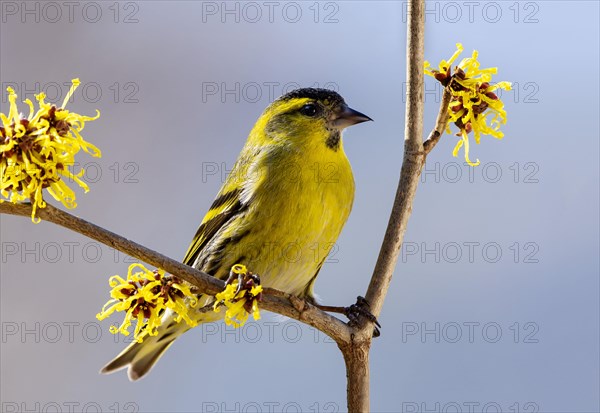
(310, 110)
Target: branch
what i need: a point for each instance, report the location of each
(273, 300)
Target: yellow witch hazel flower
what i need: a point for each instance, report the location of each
(474, 102)
(144, 296)
(35, 152)
(241, 296)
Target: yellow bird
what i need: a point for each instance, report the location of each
(279, 212)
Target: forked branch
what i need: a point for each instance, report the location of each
(355, 341)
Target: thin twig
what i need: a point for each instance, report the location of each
(275, 301)
(440, 123)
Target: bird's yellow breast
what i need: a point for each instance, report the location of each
(300, 199)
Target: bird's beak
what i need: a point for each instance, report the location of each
(348, 117)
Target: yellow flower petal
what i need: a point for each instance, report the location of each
(74, 84)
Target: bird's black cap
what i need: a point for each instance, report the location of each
(317, 94)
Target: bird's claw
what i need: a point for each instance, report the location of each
(362, 309)
(235, 276)
(245, 279)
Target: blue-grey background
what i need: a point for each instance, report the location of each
(494, 303)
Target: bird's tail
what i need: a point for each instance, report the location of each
(141, 357)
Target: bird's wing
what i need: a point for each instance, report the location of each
(226, 206)
(232, 201)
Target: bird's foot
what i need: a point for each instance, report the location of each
(354, 312)
(247, 281)
(362, 309)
